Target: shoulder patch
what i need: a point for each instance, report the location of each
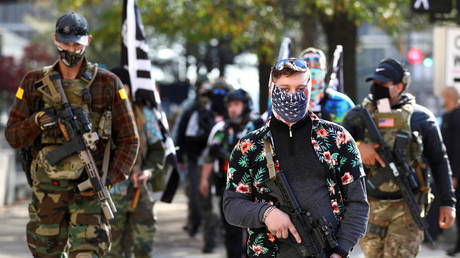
(122, 94)
(20, 93)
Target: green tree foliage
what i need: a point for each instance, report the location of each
(387, 14)
(340, 19)
(255, 25)
(259, 25)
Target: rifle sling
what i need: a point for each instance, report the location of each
(269, 156)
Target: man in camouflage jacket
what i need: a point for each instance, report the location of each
(63, 220)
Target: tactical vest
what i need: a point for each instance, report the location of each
(78, 94)
(389, 123)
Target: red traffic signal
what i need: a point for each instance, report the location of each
(415, 56)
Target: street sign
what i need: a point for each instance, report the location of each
(432, 6)
(453, 56)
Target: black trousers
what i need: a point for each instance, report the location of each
(193, 194)
(457, 211)
(432, 217)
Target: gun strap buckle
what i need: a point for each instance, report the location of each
(377, 230)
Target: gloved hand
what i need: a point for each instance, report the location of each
(46, 119)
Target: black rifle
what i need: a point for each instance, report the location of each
(25, 155)
(396, 166)
(76, 129)
(317, 235)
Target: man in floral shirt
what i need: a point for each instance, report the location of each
(319, 159)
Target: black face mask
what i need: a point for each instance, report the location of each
(71, 59)
(380, 92)
(218, 104)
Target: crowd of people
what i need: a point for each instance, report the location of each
(313, 177)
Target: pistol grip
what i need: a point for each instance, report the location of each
(85, 185)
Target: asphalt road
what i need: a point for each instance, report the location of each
(170, 241)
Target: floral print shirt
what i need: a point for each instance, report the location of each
(335, 149)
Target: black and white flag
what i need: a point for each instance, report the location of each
(336, 79)
(135, 58)
(285, 49)
(135, 51)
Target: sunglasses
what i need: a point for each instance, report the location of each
(313, 62)
(291, 63)
(219, 91)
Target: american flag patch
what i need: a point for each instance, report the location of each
(386, 122)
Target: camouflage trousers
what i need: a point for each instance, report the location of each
(403, 237)
(65, 224)
(133, 230)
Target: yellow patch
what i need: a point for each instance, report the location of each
(20, 93)
(123, 94)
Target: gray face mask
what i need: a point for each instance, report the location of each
(291, 107)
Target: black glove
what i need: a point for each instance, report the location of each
(46, 119)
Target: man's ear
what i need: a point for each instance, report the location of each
(400, 87)
(53, 37)
(90, 38)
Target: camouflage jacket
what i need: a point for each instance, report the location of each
(22, 131)
(335, 149)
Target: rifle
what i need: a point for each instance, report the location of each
(396, 167)
(25, 155)
(76, 129)
(317, 235)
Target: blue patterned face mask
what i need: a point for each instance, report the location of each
(317, 85)
(291, 107)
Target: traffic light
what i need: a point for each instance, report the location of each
(432, 6)
(415, 56)
(428, 62)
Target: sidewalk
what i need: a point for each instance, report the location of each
(170, 241)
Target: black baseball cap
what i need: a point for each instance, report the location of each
(72, 27)
(388, 70)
